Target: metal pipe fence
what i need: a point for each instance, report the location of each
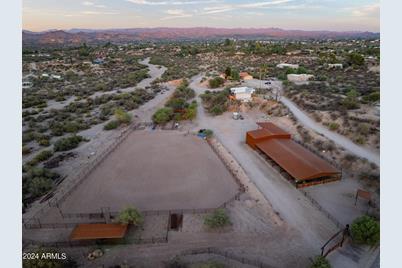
(228, 255)
(325, 212)
(85, 243)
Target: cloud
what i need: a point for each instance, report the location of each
(90, 12)
(87, 3)
(163, 3)
(176, 14)
(372, 10)
(254, 5)
(92, 4)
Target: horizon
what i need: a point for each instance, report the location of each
(207, 27)
(305, 15)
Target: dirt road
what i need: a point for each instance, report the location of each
(308, 122)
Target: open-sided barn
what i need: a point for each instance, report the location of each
(305, 167)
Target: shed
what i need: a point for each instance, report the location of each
(98, 231)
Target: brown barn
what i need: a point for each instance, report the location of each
(302, 165)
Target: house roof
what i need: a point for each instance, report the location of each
(272, 129)
(237, 90)
(98, 231)
(299, 162)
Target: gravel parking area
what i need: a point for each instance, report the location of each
(153, 170)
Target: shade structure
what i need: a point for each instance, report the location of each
(299, 162)
(98, 231)
(305, 167)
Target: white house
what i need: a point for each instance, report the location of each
(335, 65)
(54, 76)
(287, 65)
(242, 93)
(299, 77)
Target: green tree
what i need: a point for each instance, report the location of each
(130, 215)
(217, 219)
(365, 230)
(228, 72)
(234, 75)
(320, 262)
(355, 59)
(216, 82)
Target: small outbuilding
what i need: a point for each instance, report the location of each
(287, 65)
(94, 231)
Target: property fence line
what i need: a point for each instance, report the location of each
(227, 165)
(228, 255)
(84, 243)
(324, 211)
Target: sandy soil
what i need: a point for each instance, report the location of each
(155, 170)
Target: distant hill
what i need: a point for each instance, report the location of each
(77, 36)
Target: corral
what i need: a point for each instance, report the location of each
(155, 170)
(303, 166)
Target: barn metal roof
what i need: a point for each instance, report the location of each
(98, 231)
(299, 162)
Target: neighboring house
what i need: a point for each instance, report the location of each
(26, 84)
(98, 61)
(299, 77)
(287, 65)
(242, 93)
(335, 65)
(54, 76)
(245, 76)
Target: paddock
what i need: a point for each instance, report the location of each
(155, 170)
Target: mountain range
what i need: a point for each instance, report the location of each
(90, 36)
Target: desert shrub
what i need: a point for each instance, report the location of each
(217, 219)
(69, 143)
(26, 150)
(320, 262)
(162, 115)
(216, 102)
(365, 230)
(42, 156)
(111, 125)
(360, 140)
(363, 129)
(372, 97)
(44, 142)
(351, 101)
(216, 82)
(130, 215)
(121, 116)
(36, 182)
(40, 185)
(333, 126)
